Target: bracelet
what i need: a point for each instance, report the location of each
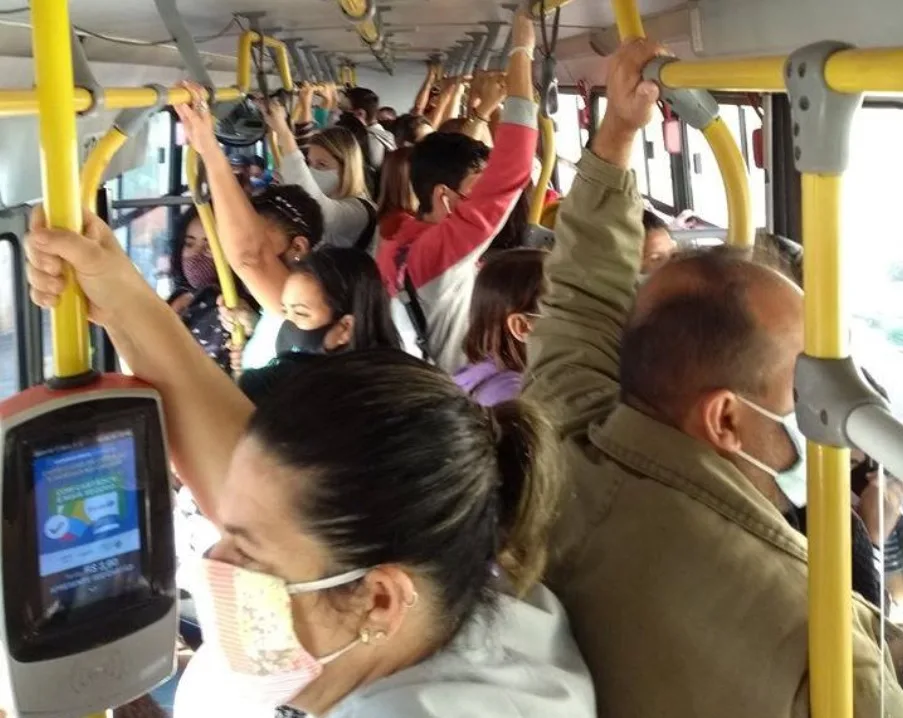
(528, 51)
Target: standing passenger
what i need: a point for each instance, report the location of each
(686, 587)
(383, 537)
(464, 201)
(504, 307)
(364, 104)
(658, 245)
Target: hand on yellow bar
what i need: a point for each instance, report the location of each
(102, 269)
(198, 122)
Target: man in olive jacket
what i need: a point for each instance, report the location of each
(686, 588)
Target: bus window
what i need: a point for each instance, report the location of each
(9, 355)
(146, 240)
(150, 179)
(874, 258)
(707, 188)
(570, 138)
(637, 158)
(658, 162)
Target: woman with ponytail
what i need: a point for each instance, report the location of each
(382, 535)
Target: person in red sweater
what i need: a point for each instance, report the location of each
(465, 196)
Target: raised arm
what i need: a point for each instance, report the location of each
(423, 95)
(241, 230)
(477, 219)
(343, 218)
(487, 93)
(205, 412)
(438, 114)
(574, 349)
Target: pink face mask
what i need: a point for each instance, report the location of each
(246, 618)
(199, 271)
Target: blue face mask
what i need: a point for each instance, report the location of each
(792, 481)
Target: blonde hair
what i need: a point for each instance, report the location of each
(344, 148)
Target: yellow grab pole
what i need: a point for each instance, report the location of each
(283, 64)
(52, 50)
(96, 165)
(18, 103)
(537, 202)
(830, 554)
(849, 71)
(628, 19)
(223, 270)
(741, 229)
(274, 148)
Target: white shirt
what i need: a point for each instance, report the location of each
(261, 347)
(520, 662)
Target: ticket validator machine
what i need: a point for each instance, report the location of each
(88, 616)
(88, 607)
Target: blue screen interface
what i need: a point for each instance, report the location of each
(89, 534)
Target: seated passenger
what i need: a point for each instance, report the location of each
(464, 201)
(658, 245)
(335, 301)
(196, 290)
(333, 173)
(686, 587)
(364, 104)
(383, 536)
(504, 306)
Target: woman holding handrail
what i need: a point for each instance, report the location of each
(365, 567)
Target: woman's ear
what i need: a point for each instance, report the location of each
(391, 596)
(340, 335)
(519, 326)
(299, 246)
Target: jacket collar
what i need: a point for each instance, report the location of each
(662, 453)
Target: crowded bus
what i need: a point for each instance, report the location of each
(374, 359)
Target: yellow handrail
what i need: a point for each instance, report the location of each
(245, 44)
(16, 103)
(537, 202)
(54, 97)
(849, 71)
(628, 19)
(223, 270)
(741, 230)
(830, 553)
(97, 163)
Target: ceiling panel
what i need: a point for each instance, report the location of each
(418, 26)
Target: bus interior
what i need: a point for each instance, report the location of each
(146, 185)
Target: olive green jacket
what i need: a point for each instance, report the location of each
(685, 587)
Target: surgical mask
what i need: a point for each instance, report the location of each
(246, 621)
(303, 341)
(199, 271)
(642, 278)
(792, 481)
(327, 180)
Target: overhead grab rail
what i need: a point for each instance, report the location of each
(548, 106)
(364, 16)
(245, 60)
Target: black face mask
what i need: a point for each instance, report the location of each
(303, 341)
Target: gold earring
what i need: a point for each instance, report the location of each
(364, 635)
(380, 636)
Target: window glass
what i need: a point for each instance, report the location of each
(757, 189)
(150, 179)
(874, 246)
(661, 185)
(9, 357)
(146, 241)
(638, 155)
(709, 199)
(570, 138)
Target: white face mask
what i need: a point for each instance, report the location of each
(247, 623)
(327, 180)
(792, 481)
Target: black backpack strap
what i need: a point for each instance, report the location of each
(407, 295)
(366, 238)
